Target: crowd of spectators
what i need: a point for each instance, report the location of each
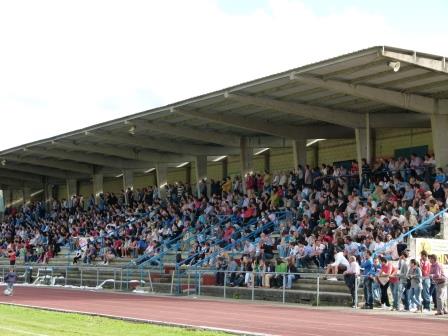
(336, 218)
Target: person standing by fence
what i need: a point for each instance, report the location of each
(368, 275)
(350, 277)
(426, 281)
(437, 275)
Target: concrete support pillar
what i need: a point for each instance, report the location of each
(439, 126)
(162, 179)
(98, 181)
(26, 195)
(72, 188)
(363, 146)
(128, 179)
(201, 173)
(2, 202)
(188, 174)
(299, 153)
(7, 197)
(128, 182)
(267, 160)
(443, 234)
(315, 156)
(48, 191)
(225, 168)
(246, 154)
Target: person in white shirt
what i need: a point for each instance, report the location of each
(350, 276)
(340, 265)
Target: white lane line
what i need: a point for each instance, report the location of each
(24, 332)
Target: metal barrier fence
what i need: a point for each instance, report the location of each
(83, 277)
(192, 282)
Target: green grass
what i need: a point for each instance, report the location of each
(25, 321)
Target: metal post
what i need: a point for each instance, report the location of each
(172, 281)
(141, 276)
(81, 278)
(115, 278)
(199, 284)
(356, 291)
(253, 290)
(284, 287)
(121, 279)
(150, 281)
(66, 276)
(318, 290)
(97, 276)
(188, 284)
(225, 284)
(127, 279)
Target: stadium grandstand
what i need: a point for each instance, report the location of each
(257, 190)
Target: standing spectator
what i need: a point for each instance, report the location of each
(350, 277)
(368, 274)
(383, 279)
(403, 285)
(437, 275)
(415, 276)
(426, 281)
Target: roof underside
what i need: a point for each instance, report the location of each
(328, 99)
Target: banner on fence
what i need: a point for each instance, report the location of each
(439, 247)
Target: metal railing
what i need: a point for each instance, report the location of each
(417, 228)
(81, 277)
(279, 217)
(253, 283)
(177, 243)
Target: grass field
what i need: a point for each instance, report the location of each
(26, 321)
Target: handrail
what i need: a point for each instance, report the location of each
(160, 255)
(248, 224)
(408, 233)
(250, 235)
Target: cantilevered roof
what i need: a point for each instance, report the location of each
(383, 87)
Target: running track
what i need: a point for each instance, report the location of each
(237, 316)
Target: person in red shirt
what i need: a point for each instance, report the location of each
(426, 281)
(12, 257)
(384, 281)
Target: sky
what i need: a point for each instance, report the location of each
(68, 64)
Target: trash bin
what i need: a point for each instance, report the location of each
(29, 275)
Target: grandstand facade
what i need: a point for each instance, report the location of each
(377, 102)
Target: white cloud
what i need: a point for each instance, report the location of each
(69, 64)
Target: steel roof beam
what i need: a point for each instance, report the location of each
(17, 183)
(192, 133)
(131, 154)
(279, 130)
(4, 173)
(165, 145)
(64, 165)
(94, 159)
(407, 101)
(56, 173)
(418, 59)
(337, 117)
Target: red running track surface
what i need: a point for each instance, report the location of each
(247, 317)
